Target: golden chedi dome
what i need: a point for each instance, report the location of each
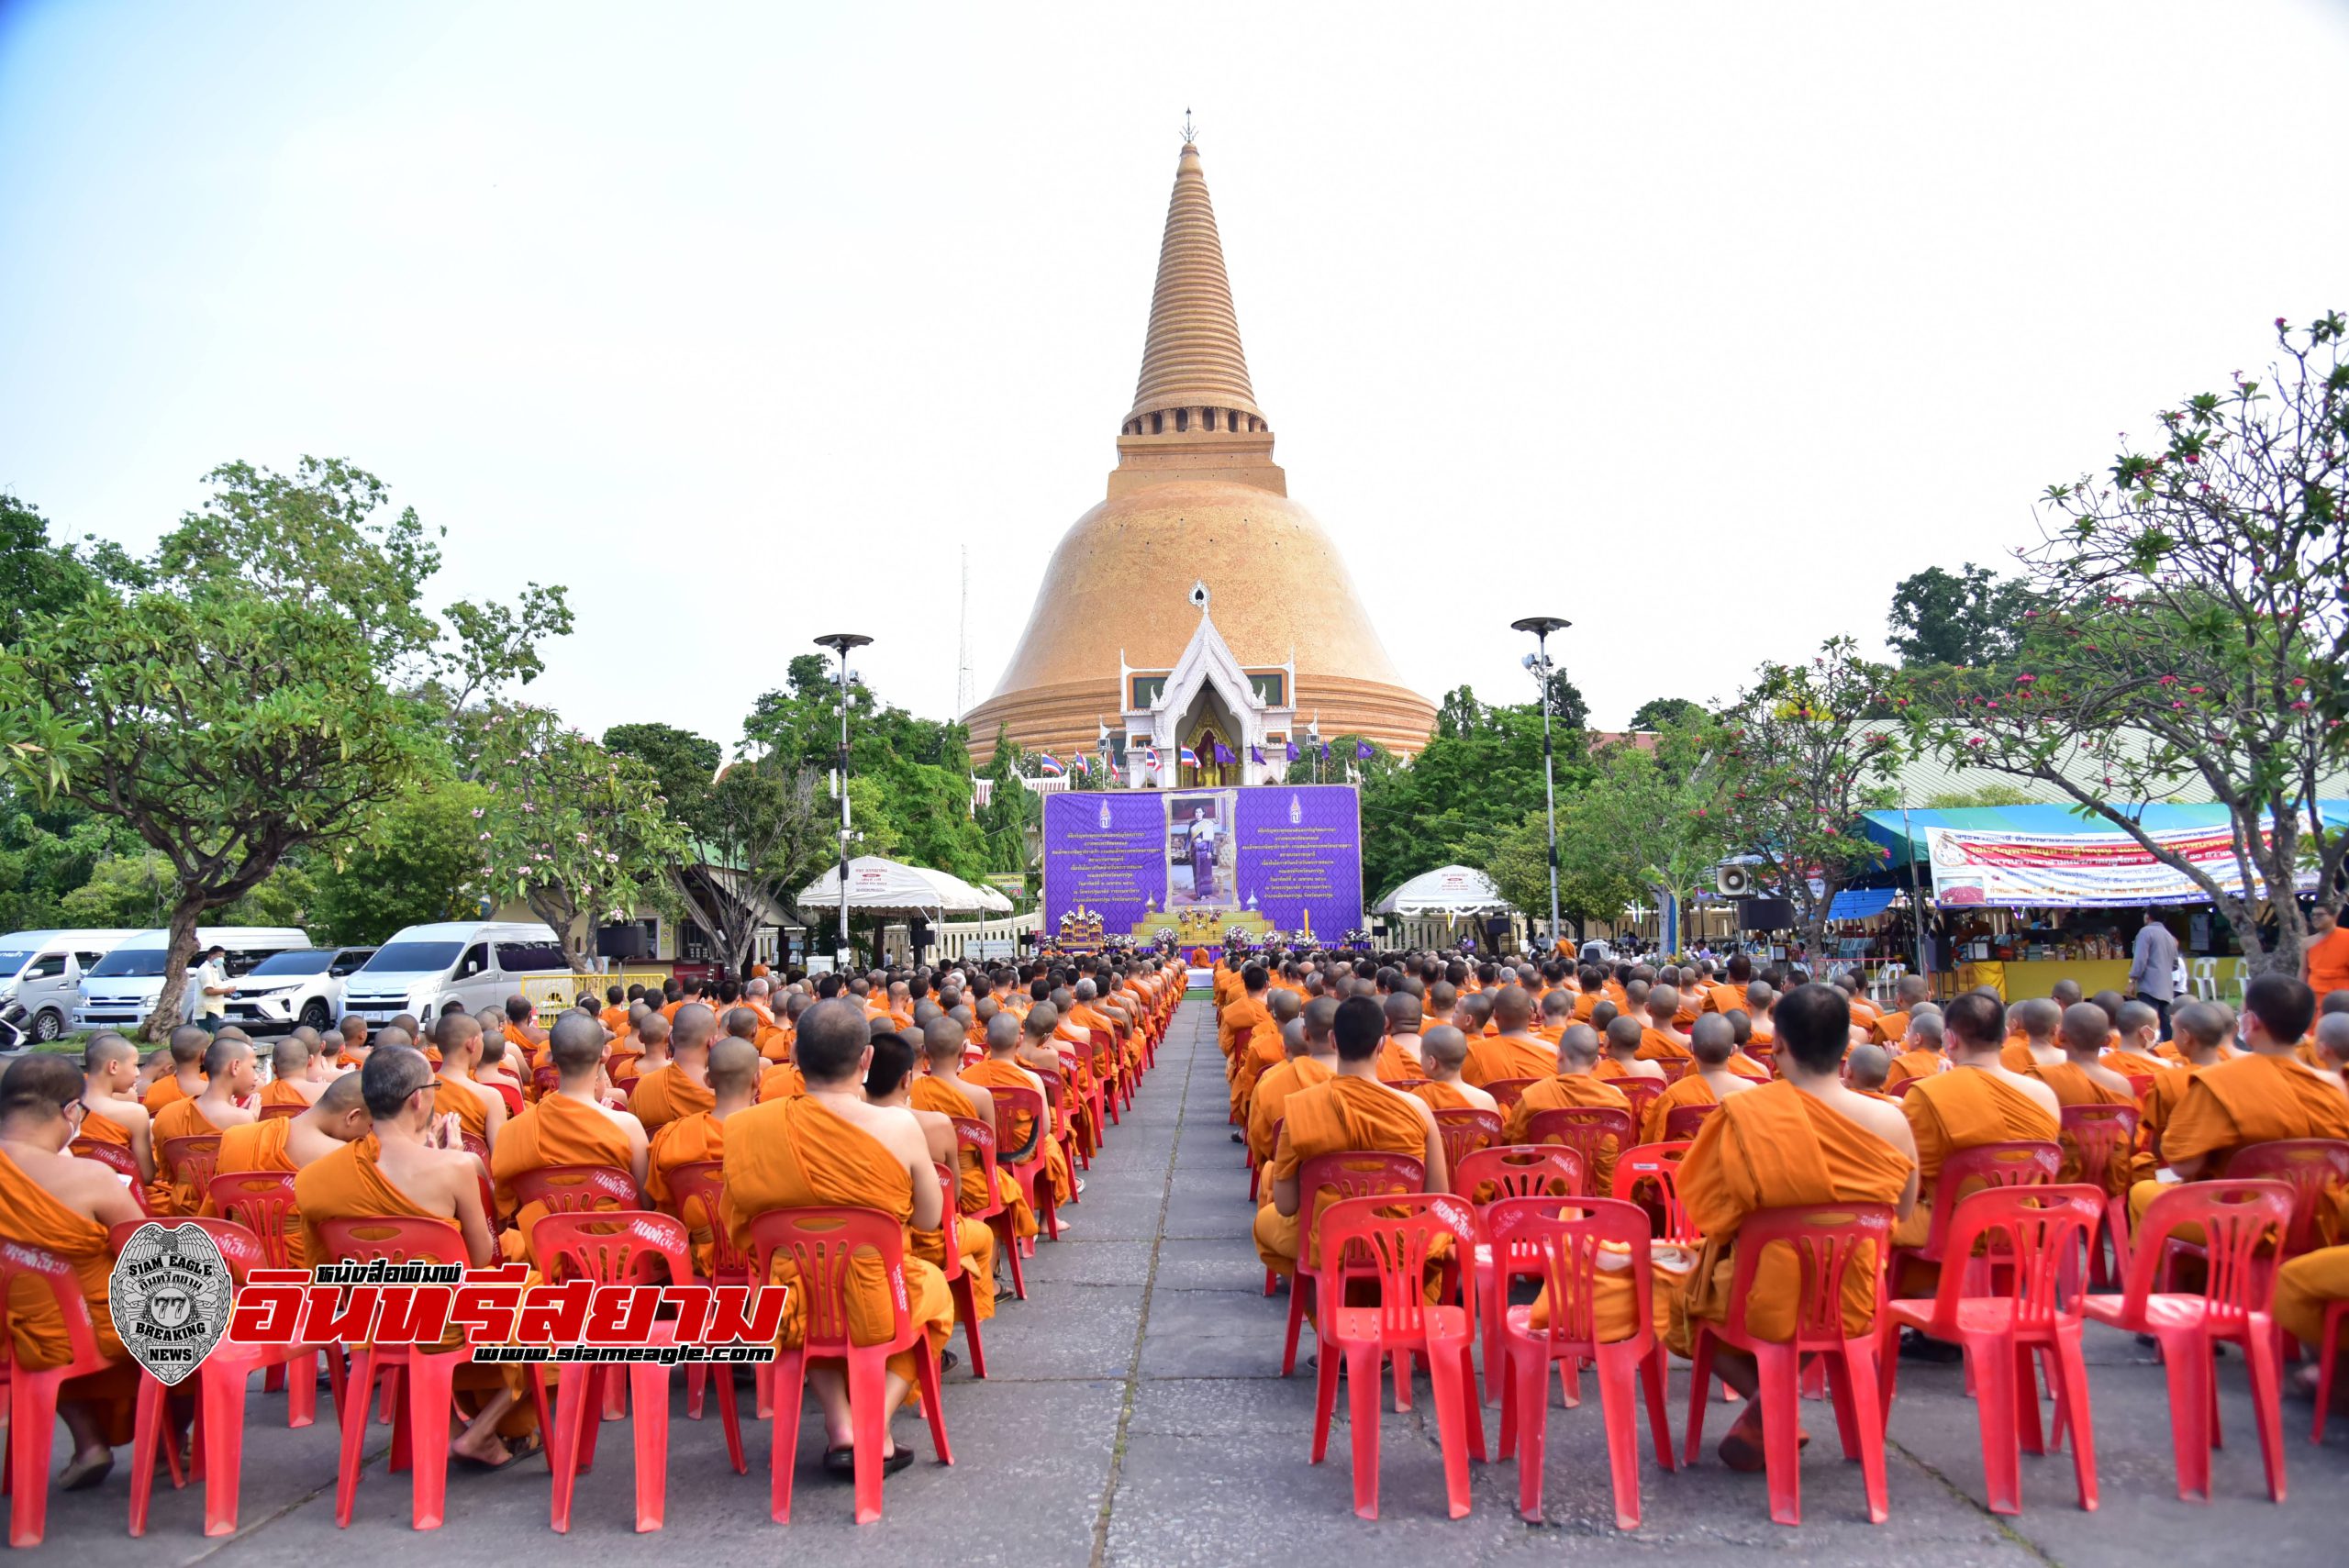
(1196, 497)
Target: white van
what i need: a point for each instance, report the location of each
(120, 989)
(42, 972)
(465, 964)
(303, 985)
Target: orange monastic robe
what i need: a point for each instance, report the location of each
(797, 1153)
(558, 1130)
(2252, 1099)
(1343, 1115)
(1569, 1089)
(1270, 1104)
(2074, 1087)
(775, 1041)
(1234, 1022)
(163, 1092)
(1724, 999)
(1913, 1064)
(470, 1111)
(1262, 1051)
(2143, 1072)
(1691, 1090)
(1889, 1029)
(782, 1081)
(281, 1092)
(1441, 1096)
(1779, 1148)
(261, 1146)
(181, 1119)
(31, 1218)
(688, 1140)
(661, 1096)
(1657, 1046)
(1959, 1109)
(934, 1094)
(1497, 1057)
(614, 1020)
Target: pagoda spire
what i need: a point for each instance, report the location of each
(1192, 357)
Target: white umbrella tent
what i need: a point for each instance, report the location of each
(878, 886)
(1445, 892)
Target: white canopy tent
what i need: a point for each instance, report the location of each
(878, 886)
(1445, 892)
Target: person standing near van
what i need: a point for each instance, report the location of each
(2152, 960)
(208, 990)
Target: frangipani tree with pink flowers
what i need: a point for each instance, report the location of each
(2193, 628)
(571, 829)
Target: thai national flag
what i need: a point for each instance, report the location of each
(1049, 766)
(1083, 764)
(1149, 757)
(1187, 757)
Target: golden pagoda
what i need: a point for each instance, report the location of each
(1195, 499)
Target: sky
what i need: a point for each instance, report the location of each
(1701, 326)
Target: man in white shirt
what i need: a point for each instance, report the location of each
(208, 990)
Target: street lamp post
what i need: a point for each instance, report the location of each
(841, 642)
(1539, 662)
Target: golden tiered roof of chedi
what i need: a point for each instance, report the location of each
(1196, 497)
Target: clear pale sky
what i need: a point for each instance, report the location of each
(1701, 326)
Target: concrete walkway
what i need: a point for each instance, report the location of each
(1135, 1417)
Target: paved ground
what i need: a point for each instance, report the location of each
(1134, 1417)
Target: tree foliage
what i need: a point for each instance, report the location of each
(422, 862)
(1970, 616)
(2194, 624)
(1658, 713)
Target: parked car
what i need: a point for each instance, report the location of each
(300, 986)
(466, 964)
(120, 989)
(41, 973)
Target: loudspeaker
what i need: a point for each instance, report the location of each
(622, 941)
(1733, 881)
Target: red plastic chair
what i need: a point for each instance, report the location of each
(1076, 1134)
(1463, 1129)
(1102, 1058)
(1968, 1171)
(573, 1189)
(1826, 1241)
(2101, 1141)
(1356, 1174)
(1028, 1170)
(1656, 1166)
(121, 1160)
(1900, 1090)
(421, 1427)
(1643, 1092)
(2335, 1316)
(2314, 1168)
(509, 1094)
(263, 1202)
(1549, 1171)
(822, 1244)
(704, 1183)
(1681, 1123)
(617, 1247)
(974, 1136)
(1507, 1092)
(1584, 1129)
(32, 1394)
(958, 1278)
(2041, 1230)
(190, 1161)
(1565, 1251)
(272, 1113)
(1400, 1247)
(2240, 1220)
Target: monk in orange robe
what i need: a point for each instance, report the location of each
(568, 1126)
(942, 1090)
(2031, 1041)
(412, 1168)
(1446, 1053)
(681, 1087)
(1864, 1070)
(2309, 1284)
(1510, 1052)
(2260, 1097)
(1659, 1042)
(2202, 1036)
(480, 1110)
(1312, 1061)
(1576, 1083)
(1261, 1050)
(1001, 1069)
(1920, 1051)
(187, 1044)
(888, 1083)
(351, 1052)
(1039, 1053)
(1889, 1028)
(1804, 1139)
(111, 1113)
(645, 1049)
(2133, 1057)
(773, 1035)
(1620, 1038)
(1708, 1082)
(2082, 1079)
(286, 1143)
(1352, 1111)
(701, 1136)
(289, 1067)
(1236, 1021)
(1978, 1101)
(229, 1078)
(64, 1206)
(1730, 991)
(613, 1015)
(1401, 1057)
(1557, 1015)
(828, 1148)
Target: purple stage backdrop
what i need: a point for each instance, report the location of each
(1288, 854)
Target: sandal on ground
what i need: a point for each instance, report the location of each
(897, 1461)
(84, 1474)
(516, 1452)
(840, 1460)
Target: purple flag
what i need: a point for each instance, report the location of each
(1361, 751)
(1223, 757)
(1325, 750)
(1256, 755)
(1292, 750)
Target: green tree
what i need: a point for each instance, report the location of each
(135, 891)
(1971, 617)
(685, 763)
(1810, 748)
(37, 579)
(240, 695)
(578, 833)
(1987, 794)
(422, 862)
(1647, 822)
(2193, 625)
(48, 849)
(1663, 713)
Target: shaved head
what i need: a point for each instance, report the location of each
(1579, 1046)
(104, 1049)
(290, 1058)
(2084, 1029)
(224, 1054)
(1444, 1047)
(1869, 1066)
(1712, 1040)
(942, 1040)
(692, 1027)
(575, 1043)
(733, 1067)
(188, 1045)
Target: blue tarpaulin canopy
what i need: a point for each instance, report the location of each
(1859, 903)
